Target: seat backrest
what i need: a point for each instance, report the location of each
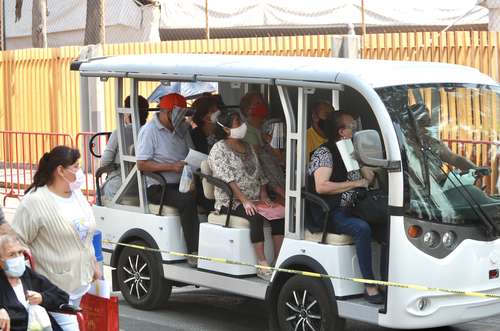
(208, 189)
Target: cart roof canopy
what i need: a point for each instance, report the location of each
(271, 69)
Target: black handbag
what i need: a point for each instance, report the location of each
(371, 206)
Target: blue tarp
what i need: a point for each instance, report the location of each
(190, 90)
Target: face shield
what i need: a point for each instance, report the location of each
(421, 115)
(178, 118)
(277, 130)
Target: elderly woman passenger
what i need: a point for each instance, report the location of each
(235, 162)
(21, 287)
(271, 157)
(111, 155)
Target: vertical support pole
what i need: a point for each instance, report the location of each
(292, 197)
(39, 24)
(92, 105)
(119, 124)
(363, 24)
(301, 158)
(346, 46)
(2, 26)
(92, 117)
(136, 125)
(207, 27)
(94, 24)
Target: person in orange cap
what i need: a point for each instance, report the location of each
(162, 146)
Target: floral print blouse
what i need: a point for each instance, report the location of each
(322, 157)
(231, 166)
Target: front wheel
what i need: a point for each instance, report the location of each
(140, 278)
(304, 304)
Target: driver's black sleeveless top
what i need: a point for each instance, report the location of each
(339, 173)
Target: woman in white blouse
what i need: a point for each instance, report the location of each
(57, 224)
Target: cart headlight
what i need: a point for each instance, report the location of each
(449, 239)
(431, 239)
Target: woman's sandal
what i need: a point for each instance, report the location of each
(262, 273)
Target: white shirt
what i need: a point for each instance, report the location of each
(77, 215)
(21, 296)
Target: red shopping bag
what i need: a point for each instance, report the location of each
(100, 314)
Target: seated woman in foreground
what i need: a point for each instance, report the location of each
(235, 162)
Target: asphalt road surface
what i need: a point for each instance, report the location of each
(208, 310)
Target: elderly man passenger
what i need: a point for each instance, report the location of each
(162, 146)
(21, 287)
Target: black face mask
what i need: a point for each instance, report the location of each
(323, 125)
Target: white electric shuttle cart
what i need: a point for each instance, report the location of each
(443, 225)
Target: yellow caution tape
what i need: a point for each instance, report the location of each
(315, 274)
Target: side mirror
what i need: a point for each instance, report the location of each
(368, 150)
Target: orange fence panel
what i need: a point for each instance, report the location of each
(21, 152)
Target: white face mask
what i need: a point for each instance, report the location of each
(15, 267)
(213, 117)
(78, 182)
(239, 132)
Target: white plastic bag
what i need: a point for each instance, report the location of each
(186, 179)
(38, 319)
(100, 288)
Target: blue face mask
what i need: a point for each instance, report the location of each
(15, 267)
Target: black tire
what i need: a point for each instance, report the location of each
(140, 278)
(305, 301)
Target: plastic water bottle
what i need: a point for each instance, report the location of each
(186, 179)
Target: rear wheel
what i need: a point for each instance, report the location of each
(304, 304)
(140, 278)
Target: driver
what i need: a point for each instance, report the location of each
(437, 147)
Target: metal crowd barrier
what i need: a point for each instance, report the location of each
(21, 151)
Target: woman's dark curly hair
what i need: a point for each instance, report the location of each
(58, 156)
(225, 120)
(203, 106)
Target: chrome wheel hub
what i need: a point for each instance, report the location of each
(137, 277)
(304, 312)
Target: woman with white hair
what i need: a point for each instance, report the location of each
(21, 287)
(271, 156)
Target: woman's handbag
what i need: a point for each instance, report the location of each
(371, 206)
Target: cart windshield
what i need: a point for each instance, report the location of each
(449, 139)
